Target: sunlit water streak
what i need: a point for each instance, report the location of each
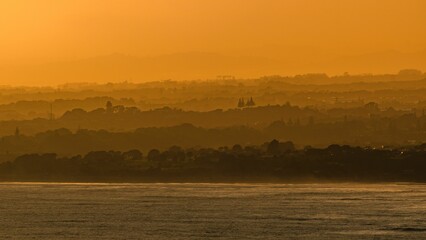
(212, 211)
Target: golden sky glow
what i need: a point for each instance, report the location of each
(39, 31)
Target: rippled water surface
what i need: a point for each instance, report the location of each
(212, 211)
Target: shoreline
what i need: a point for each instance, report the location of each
(174, 181)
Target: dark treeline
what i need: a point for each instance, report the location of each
(65, 143)
(398, 99)
(80, 132)
(271, 161)
(27, 110)
(404, 90)
(118, 118)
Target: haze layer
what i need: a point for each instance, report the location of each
(51, 42)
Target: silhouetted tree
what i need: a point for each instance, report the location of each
(241, 103)
(132, 155)
(109, 107)
(154, 155)
(250, 102)
(237, 148)
(274, 147)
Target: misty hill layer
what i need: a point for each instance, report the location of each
(405, 129)
(400, 91)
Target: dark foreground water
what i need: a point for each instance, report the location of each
(212, 211)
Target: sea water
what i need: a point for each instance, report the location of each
(212, 211)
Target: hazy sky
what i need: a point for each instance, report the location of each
(35, 31)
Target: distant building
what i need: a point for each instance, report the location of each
(225, 77)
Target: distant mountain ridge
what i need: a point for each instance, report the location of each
(200, 65)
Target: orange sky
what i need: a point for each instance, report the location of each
(41, 31)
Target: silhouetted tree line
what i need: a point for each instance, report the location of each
(376, 130)
(118, 118)
(122, 118)
(271, 161)
(404, 90)
(27, 110)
